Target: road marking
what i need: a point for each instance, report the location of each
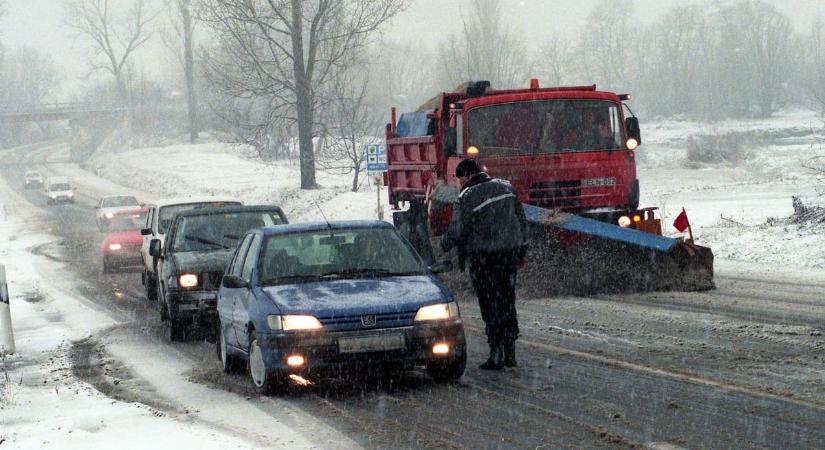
(659, 372)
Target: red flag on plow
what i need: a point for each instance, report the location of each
(682, 223)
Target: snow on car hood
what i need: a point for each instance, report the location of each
(357, 296)
(201, 262)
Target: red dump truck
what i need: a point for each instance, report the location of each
(570, 154)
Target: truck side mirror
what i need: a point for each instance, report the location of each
(154, 248)
(631, 125)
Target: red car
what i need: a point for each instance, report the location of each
(121, 245)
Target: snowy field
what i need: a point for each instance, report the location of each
(728, 204)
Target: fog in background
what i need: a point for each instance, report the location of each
(699, 60)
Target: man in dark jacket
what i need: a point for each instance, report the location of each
(490, 229)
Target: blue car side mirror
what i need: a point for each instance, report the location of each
(442, 266)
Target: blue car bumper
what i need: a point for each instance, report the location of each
(363, 351)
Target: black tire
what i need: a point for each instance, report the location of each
(151, 286)
(175, 330)
(266, 382)
(450, 370)
(229, 362)
(107, 267)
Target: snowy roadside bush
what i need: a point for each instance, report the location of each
(728, 148)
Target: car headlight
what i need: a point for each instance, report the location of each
(187, 280)
(293, 323)
(109, 215)
(70, 194)
(114, 246)
(440, 311)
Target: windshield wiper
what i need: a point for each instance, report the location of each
(347, 273)
(205, 241)
(289, 279)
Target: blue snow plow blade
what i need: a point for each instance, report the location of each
(583, 225)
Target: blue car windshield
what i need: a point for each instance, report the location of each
(355, 253)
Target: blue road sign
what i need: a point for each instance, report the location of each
(376, 157)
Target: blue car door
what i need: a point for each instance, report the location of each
(245, 298)
(229, 296)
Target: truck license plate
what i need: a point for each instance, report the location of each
(373, 343)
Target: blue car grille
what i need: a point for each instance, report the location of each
(354, 322)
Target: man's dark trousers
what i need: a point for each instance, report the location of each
(493, 276)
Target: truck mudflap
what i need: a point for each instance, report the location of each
(570, 254)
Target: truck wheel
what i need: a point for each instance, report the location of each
(413, 226)
(266, 382)
(448, 371)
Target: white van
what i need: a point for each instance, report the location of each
(59, 190)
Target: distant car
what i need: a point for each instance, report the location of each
(320, 298)
(121, 245)
(109, 205)
(161, 213)
(59, 190)
(199, 244)
(32, 179)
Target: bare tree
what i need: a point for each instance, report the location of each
(288, 51)
(179, 38)
(350, 122)
(604, 44)
(484, 50)
(763, 36)
(556, 60)
(115, 33)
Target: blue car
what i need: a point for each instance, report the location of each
(327, 298)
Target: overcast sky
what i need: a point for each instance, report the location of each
(39, 23)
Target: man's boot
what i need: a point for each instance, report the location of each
(495, 361)
(509, 349)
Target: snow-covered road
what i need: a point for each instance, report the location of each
(739, 366)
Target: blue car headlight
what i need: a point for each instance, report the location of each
(439, 311)
(293, 322)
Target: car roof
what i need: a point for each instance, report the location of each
(339, 225)
(189, 200)
(230, 210)
(116, 196)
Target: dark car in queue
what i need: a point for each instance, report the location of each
(332, 298)
(191, 263)
(121, 244)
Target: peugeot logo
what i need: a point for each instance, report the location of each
(368, 320)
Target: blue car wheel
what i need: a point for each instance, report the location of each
(229, 362)
(266, 382)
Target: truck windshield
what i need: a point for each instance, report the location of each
(547, 126)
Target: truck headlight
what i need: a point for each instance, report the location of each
(440, 311)
(293, 322)
(187, 280)
(624, 221)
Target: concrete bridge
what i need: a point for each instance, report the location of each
(59, 111)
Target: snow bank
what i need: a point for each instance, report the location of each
(227, 169)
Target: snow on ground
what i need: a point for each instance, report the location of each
(41, 403)
(728, 204)
(223, 169)
(44, 405)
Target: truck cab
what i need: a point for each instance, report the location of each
(567, 148)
